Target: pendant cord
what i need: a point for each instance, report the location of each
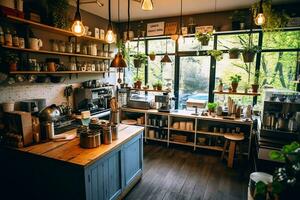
(78, 6)
(128, 22)
(180, 17)
(109, 13)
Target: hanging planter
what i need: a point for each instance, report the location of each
(152, 56)
(234, 53)
(217, 54)
(203, 38)
(139, 59)
(249, 54)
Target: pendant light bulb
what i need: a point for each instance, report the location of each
(110, 36)
(78, 28)
(147, 5)
(260, 19)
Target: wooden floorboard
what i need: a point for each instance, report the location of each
(182, 174)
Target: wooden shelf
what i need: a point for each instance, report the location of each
(149, 90)
(155, 139)
(174, 129)
(150, 126)
(51, 29)
(216, 148)
(210, 133)
(58, 72)
(182, 143)
(57, 53)
(237, 93)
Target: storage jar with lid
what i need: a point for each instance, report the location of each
(69, 47)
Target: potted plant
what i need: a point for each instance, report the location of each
(211, 107)
(234, 53)
(249, 53)
(217, 54)
(286, 182)
(220, 86)
(12, 59)
(246, 88)
(255, 85)
(138, 82)
(152, 55)
(139, 59)
(159, 85)
(203, 37)
(154, 85)
(235, 82)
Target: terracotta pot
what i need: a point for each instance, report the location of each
(255, 88)
(137, 63)
(220, 88)
(13, 67)
(248, 57)
(159, 87)
(234, 55)
(138, 84)
(152, 57)
(234, 86)
(204, 42)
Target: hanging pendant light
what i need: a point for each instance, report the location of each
(260, 18)
(180, 37)
(166, 58)
(110, 36)
(147, 5)
(77, 27)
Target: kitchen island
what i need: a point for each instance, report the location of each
(64, 170)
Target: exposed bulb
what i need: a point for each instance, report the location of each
(78, 28)
(147, 5)
(180, 39)
(260, 19)
(110, 37)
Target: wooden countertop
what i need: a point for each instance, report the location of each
(71, 152)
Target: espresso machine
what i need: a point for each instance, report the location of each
(163, 102)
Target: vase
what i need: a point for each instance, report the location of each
(138, 84)
(220, 88)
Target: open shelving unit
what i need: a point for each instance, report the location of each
(149, 90)
(58, 72)
(237, 93)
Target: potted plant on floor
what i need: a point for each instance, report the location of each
(255, 85)
(12, 59)
(203, 38)
(249, 53)
(211, 107)
(217, 54)
(137, 83)
(139, 59)
(234, 53)
(235, 81)
(152, 55)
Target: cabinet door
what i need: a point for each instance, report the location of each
(95, 181)
(133, 158)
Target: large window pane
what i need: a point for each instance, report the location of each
(193, 79)
(281, 40)
(235, 41)
(159, 71)
(135, 47)
(192, 44)
(159, 46)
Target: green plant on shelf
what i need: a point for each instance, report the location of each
(203, 37)
(235, 78)
(217, 54)
(211, 106)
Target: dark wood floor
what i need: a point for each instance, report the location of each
(173, 173)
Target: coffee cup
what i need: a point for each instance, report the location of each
(35, 43)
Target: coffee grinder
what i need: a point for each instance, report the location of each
(163, 102)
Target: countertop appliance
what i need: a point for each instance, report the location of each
(95, 100)
(163, 102)
(140, 101)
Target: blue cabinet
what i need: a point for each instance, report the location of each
(108, 177)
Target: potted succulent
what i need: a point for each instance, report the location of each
(217, 54)
(203, 38)
(235, 82)
(255, 85)
(152, 55)
(139, 59)
(234, 53)
(12, 59)
(249, 53)
(138, 82)
(212, 107)
(159, 85)
(220, 86)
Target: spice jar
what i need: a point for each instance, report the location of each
(69, 47)
(8, 38)
(62, 46)
(54, 45)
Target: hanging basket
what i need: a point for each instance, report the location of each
(234, 55)
(152, 57)
(248, 56)
(137, 63)
(205, 42)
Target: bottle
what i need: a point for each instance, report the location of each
(15, 39)
(2, 41)
(8, 38)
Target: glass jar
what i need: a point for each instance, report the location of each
(102, 66)
(98, 66)
(84, 49)
(62, 46)
(94, 49)
(54, 45)
(8, 38)
(69, 47)
(77, 49)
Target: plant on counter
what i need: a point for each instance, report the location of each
(211, 106)
(249, 53)
(137, 82)
(235, 79)
(58, 11)
(159, 85)
(234, 53)
(139, 59)
(12, 59)
(217, 54)
(152, 55)
(286, 179)
(255, 85)
(203, 38)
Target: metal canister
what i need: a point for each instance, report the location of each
(114, 132)
(107, 136)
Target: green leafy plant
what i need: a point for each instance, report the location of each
(141, 57)
(251, 49)
(217, 54)
(58, 13)
(234, 50)
(235, 78)
(212, 106)
(203, 37)
(11, 58)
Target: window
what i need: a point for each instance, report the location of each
(159, 46)
(235, 41)
(189, 44)
(193, 79)
(281, 40)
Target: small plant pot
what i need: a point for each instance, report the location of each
(234, 86)
(234, 55)
(152, 57)
(13, 67)
(204, 42)
(159, 87)
(255, 88)
(137, 63)
(248, 57)
(220, 88)
(154, 87)
(138, 84)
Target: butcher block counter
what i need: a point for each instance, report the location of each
(64, 170)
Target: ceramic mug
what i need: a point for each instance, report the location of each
(51, 66)
(35, 43)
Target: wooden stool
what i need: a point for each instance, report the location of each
(233, 138)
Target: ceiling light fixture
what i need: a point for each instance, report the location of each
(147, 5)
(78, 27)
(260, 17)
(166, 58)
(110, 36)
